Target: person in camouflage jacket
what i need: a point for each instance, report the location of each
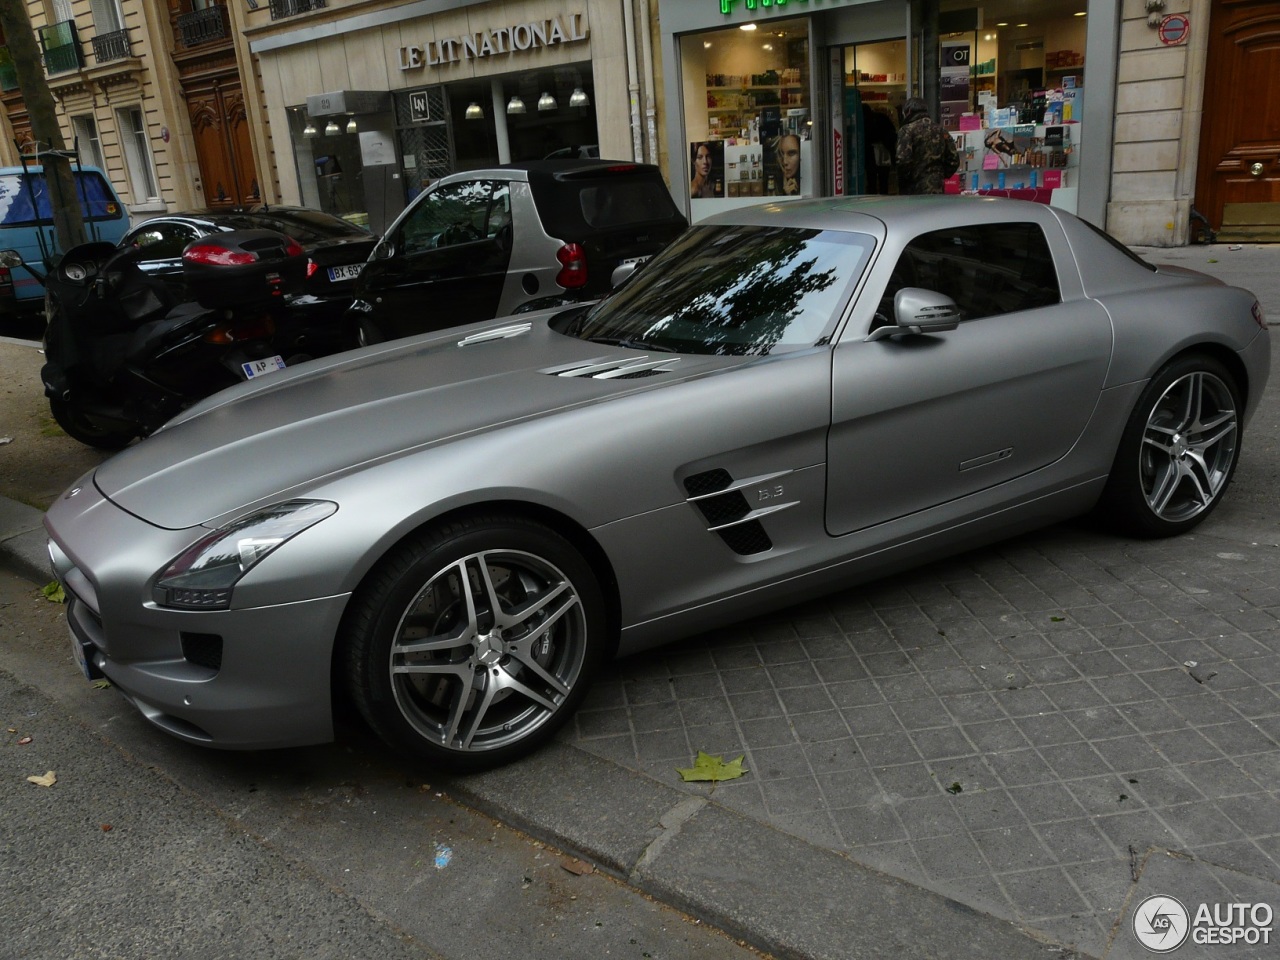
(926, 153)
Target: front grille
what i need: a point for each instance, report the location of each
(202, 649)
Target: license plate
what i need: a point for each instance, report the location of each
(637, 260)
(82, 659)
(346, 272)
(260, 368)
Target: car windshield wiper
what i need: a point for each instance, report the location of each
(631, 344)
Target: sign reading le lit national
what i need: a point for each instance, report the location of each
(519, 38)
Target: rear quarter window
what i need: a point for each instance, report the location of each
(572, 205)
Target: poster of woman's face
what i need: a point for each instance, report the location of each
(786, 175)
(706, 163)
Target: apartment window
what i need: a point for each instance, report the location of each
(62, 11)
(85, 130)
(107, 17)
(137, 154)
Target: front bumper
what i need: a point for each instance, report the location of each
(234, 679)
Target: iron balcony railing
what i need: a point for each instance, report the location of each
(201, 26)
(289, 8)
(61, 45)
(111, 46)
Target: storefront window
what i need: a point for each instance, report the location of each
(329, 164)
(1012, 92)
(748, 114)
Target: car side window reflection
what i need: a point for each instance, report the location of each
(987, 270)
(449, 215)
(164, 241)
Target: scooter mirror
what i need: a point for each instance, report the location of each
(10, 258)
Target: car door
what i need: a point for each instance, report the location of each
(919, 421)
(447, 260)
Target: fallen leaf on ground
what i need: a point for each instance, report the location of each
(24, 741)
(53, 592)
(708, 767)
(48, 780)
(579, 867)
(106, 828)
(102, 684)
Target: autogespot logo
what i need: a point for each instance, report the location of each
(1161, 924)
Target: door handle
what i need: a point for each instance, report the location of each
(1256, 169)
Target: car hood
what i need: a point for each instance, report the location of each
(266, 438)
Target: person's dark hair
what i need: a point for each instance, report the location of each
(914, 109)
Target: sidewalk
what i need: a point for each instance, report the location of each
(988, 757)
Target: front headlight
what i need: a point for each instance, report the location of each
(202, 577)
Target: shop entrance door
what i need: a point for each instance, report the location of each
(1238, 179)
(872, 90)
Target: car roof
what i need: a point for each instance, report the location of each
(39, 168)
(870, 214)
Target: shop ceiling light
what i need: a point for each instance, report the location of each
(474, 111)
(748, 27)
(547, 102)
(766, 46)
(331, 128)
(706, 44)
(579, 98)
(351, 126)
(310, 129)
(515, 105)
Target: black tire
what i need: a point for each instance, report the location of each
(1178, 452)
(490, 689)
(78, 425)
(367, 334)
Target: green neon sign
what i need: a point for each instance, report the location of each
(726, 6)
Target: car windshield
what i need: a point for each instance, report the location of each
(736, 290)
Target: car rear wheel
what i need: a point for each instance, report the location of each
(1178, 451)
(471, 644)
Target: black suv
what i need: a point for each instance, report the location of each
(487, 243)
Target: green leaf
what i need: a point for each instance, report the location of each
(53, 592)
(1057, 619)
(707, 767)
(102, 684)
(955, 788)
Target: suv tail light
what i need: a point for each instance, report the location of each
(573, 266)
(312, 267)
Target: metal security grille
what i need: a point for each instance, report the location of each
(426, 143)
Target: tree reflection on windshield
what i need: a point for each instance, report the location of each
(736, 290)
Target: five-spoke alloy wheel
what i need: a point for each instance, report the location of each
(473, 642)
(1179, 450)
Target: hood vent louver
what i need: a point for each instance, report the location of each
(498, 333)
(613, 368)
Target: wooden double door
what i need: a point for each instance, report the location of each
(220, 125)
(1238, 179)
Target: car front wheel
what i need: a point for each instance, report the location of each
(472, 643)
(1178, 451)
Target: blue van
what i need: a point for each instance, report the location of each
(26, 218)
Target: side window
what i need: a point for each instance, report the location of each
(164, 241)
(447, 216)
(987, 270)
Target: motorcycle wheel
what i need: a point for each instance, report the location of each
(78, 426)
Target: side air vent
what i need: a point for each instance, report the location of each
(725, 507)
(202, 649)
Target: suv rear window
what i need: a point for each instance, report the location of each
(606, 202)
(24, 198)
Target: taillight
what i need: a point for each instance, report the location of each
(573, 266)
(293, 248)
(213, 255)
(1258, 316)
(311, 267)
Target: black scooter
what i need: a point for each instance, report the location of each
(122, 358)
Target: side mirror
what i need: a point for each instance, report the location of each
(385, 250)
(10, 258)
(622, 273)
(919, 311)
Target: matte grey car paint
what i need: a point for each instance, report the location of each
(848, 485)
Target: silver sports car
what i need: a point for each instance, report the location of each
(455, 530)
